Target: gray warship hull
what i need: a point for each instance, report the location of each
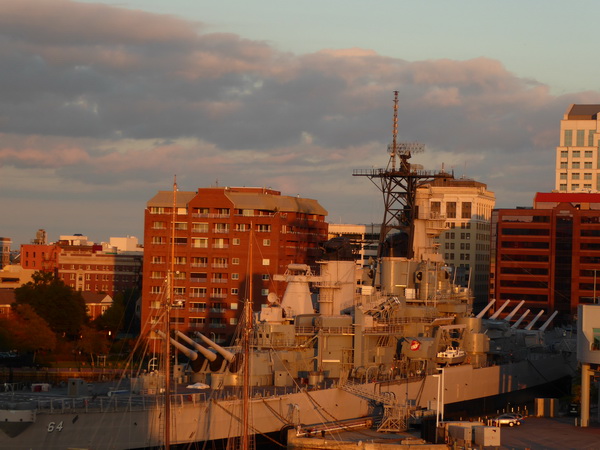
(127, 424)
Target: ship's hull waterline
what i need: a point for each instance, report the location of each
(213, 420)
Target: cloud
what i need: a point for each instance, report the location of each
(103, 99)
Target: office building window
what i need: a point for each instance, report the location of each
(564, 153)
(575, 165)
(568, 138)
(564, 165)
(562, 187)
(580, 138)
(590, 142)
(575, 176)
(563, 176)
(588, 153)
(574, 186)
(587, 165)
(587, 176)
(576, 154)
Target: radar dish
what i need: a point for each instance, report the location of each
(272, 298)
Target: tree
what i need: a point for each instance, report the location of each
(27, 332)
(59, 305)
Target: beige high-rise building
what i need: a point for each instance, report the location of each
(466, 206)
(577, 156)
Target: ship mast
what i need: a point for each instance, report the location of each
(246, 349)
(398, 183)
(168, 303)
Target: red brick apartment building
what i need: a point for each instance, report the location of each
(549, 255)
(211, 250)
(85, 267)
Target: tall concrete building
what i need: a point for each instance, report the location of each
(577, 156)
(466, 206)
(211, 233)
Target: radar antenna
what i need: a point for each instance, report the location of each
(398, 184)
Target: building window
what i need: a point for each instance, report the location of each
(564, 165)
(235, 261)
(263, 228)
(221, 228)
(575, 186)
(181, 225)
(436, 208)
(568, 138)
(234, 291)
(157, 210)
(266, 261)
(266, 242)
(451, 210)
(233, 321)
(588, 153)
(580, 138)
(264, 292)
(564, 154)
(159, 240)
(200, 242)
(562, 187)
(155, 289)
(575, 176)
(235, 276)
(587, 186)
(234, 306)
(236, 241)
(200, 227)
(587, 165)
(265, 277)
(465, 210)
(576, 154)
(180, 260)
(159, 225)
(575, 165)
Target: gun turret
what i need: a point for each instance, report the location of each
(227, 355)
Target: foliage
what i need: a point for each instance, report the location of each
(27, 331)
(59, 305)
(92, 342)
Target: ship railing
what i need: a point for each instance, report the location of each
(326, 330)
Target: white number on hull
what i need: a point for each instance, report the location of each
(52, 426)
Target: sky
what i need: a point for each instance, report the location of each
(102, 103)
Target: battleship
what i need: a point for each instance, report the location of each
(388, 344)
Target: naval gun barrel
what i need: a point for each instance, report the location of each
(499, 311)
(518, 322)
(543, 327)
(535, 319)
(192, 355)
(514, 311)
(227, 355)
(484, 310)
(211, 356)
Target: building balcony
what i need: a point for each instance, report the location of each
(219, 280)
